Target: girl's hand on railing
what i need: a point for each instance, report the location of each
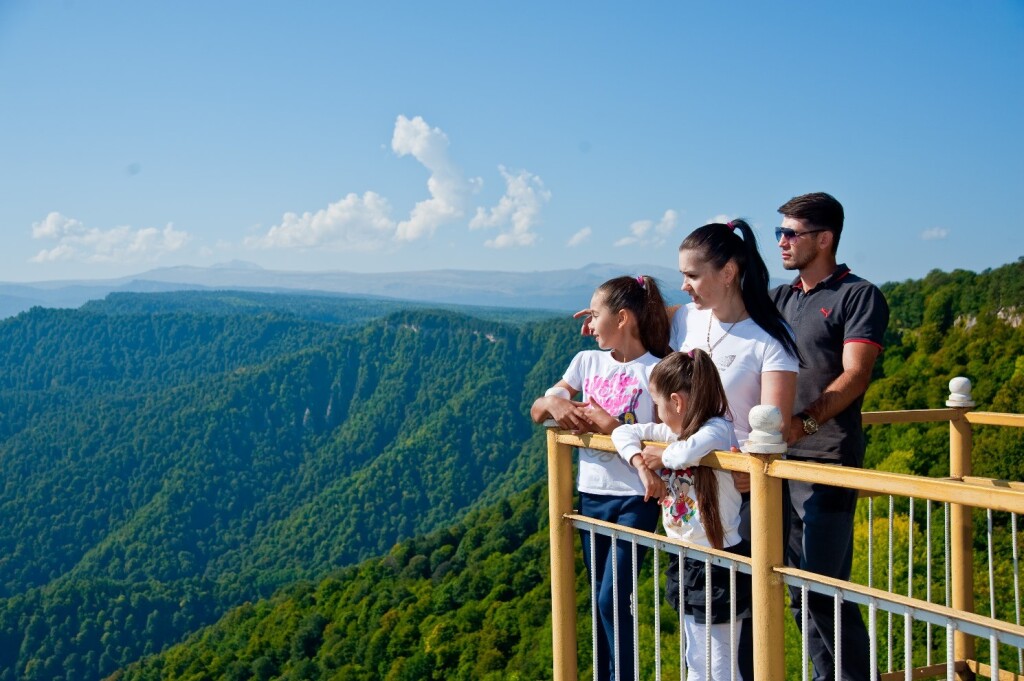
(654, 486)
(567, 414)
(652, 457)
(599, 419)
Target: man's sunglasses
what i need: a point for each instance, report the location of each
(791, 234)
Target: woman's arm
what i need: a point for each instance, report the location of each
(779, 388)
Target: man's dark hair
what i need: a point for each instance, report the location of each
(819, 209)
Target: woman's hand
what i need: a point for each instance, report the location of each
(739, 478)
(599, 419)
(652, 457)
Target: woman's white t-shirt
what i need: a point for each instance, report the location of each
(741, 356)
(621, 388)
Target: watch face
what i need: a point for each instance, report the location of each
(810, 425)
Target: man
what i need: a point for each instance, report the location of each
(839, 320)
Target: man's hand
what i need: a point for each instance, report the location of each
(652, 457)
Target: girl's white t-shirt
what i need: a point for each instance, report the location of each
(680, 513)
(621, 388)
(741, 356)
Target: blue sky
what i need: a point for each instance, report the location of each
(513, 136)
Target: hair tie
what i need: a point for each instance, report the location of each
(640, 280)
(690, 354)
(731, 225)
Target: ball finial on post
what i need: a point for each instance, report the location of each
(960, 393)
(765, 431)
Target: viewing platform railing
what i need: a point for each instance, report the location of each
(940, 626)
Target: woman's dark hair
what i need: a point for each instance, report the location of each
(717, 244)
(641, 296)
(695, 375)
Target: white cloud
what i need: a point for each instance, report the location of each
(637, 231)
(667, 223)
(357, 223)
(123, 244)
(364, 223)
(519, 208)
(447, 189)
(934, 234)
(650, 233)
(580, 237)
(721, 219)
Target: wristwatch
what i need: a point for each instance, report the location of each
(810, 425)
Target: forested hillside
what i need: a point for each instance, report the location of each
(158, 468)
(472, 602)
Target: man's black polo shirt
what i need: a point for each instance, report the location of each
(841, 309)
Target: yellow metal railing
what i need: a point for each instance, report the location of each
(960, 490)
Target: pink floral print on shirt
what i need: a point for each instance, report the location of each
(617, 395)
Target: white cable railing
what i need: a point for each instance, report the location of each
(650, 651)
(922, 638)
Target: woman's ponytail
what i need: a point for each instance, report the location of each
(719, 243)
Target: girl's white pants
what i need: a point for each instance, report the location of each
(723, 658)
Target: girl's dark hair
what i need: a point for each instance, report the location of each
(717, 244)
(641, 296)
(695, 375)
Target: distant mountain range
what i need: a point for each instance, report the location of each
(558, 290)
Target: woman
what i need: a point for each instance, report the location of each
(733, 319)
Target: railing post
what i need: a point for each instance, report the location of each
(563, 564)
(961, 555)
(766, 551)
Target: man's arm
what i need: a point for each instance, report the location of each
(858, 363)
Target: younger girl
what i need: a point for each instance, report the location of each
(629, 323)
(702, 505)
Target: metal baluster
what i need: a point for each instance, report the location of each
(837, 608)
(889, 614)
(707, 616)
(928, 578)
(593, 598)
(908, 645)
(871, 541)
(872, 640)
(1016, 589)
(949, 591)
(615, 600)
(657, 616)
(949, 581)
(634, 603)
(872, 609)
(733, 652)
(682, 634)
(993, 653)
(950, 666)
(804, 652)
(908, 631)
(993, 643)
